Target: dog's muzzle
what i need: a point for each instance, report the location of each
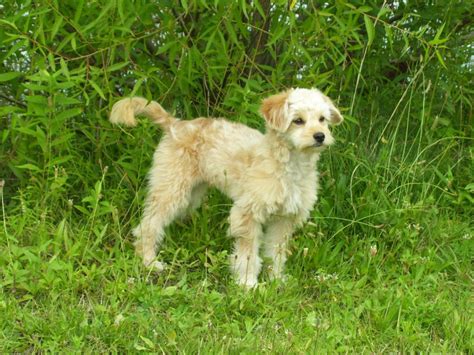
(319, 138)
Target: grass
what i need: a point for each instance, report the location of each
(383, 265)
(372, 272)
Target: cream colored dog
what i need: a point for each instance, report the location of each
(271, 177)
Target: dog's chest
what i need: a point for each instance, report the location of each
(299, 185)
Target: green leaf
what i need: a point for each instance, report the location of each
(56, 26)
(9, 76)
(137, 86)
(365, 8)
(64, 115)
(148, 342)
(260, 9)
(97, 89)
(28, 166)
(383, 11)
(184, 3)
(440, 59)
(4, 110)
(64, 68)
(11, 24)
(369, 26)
(437, 40)
(231, 32)
(120, 9)
(117, 66)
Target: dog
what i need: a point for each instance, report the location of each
(271, 177)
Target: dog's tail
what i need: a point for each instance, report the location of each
(125, 110)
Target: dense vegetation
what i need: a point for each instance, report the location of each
(385, 263)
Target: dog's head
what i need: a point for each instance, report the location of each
(303, 116)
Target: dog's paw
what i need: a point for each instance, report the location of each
(156, 266)
(248, 284)
(274, 275)
(282, 278)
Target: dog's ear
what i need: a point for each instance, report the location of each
(336, 117)
(275, 111)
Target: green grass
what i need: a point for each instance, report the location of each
(383, 265)
(374, 278)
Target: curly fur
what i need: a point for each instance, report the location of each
(271, 178)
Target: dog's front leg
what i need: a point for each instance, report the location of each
(245, 262)
(277, 236)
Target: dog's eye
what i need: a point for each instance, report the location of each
(298, 121)
(322, 119)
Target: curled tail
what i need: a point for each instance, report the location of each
(125, 110)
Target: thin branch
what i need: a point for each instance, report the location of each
(12, 100)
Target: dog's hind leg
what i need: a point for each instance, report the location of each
(170, 191)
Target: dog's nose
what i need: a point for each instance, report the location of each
(319, 137)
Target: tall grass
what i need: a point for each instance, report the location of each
(384, 263)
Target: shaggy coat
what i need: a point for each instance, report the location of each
(271, 178)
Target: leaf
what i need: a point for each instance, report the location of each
(171, 335)
(364, 8)
(169, 291)
(64, 115)
(4, 110)
(139, 347)
(16, 47)
(41, 139)
(117, 66)
(311, 319)
(9, 76)
(231, 32)
(59, 160)
(11, 24)
(166, 46)
(64, 68)
(28, 166)
(104, 13)
(97, 89)
(120, 7)
(260, 9)
(243, 6)
(82, 209)
(35, 87)
(78, 6)
(137, 86)
(64, 100)
(369, 26)
(438, 33)
(437, 40)
(383, 11)
(440, 58)
(56, 26)
(148, 342)
(185, 5)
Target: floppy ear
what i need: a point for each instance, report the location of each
(275, 111)
(336, 117)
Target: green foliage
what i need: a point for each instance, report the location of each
(384, 264)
